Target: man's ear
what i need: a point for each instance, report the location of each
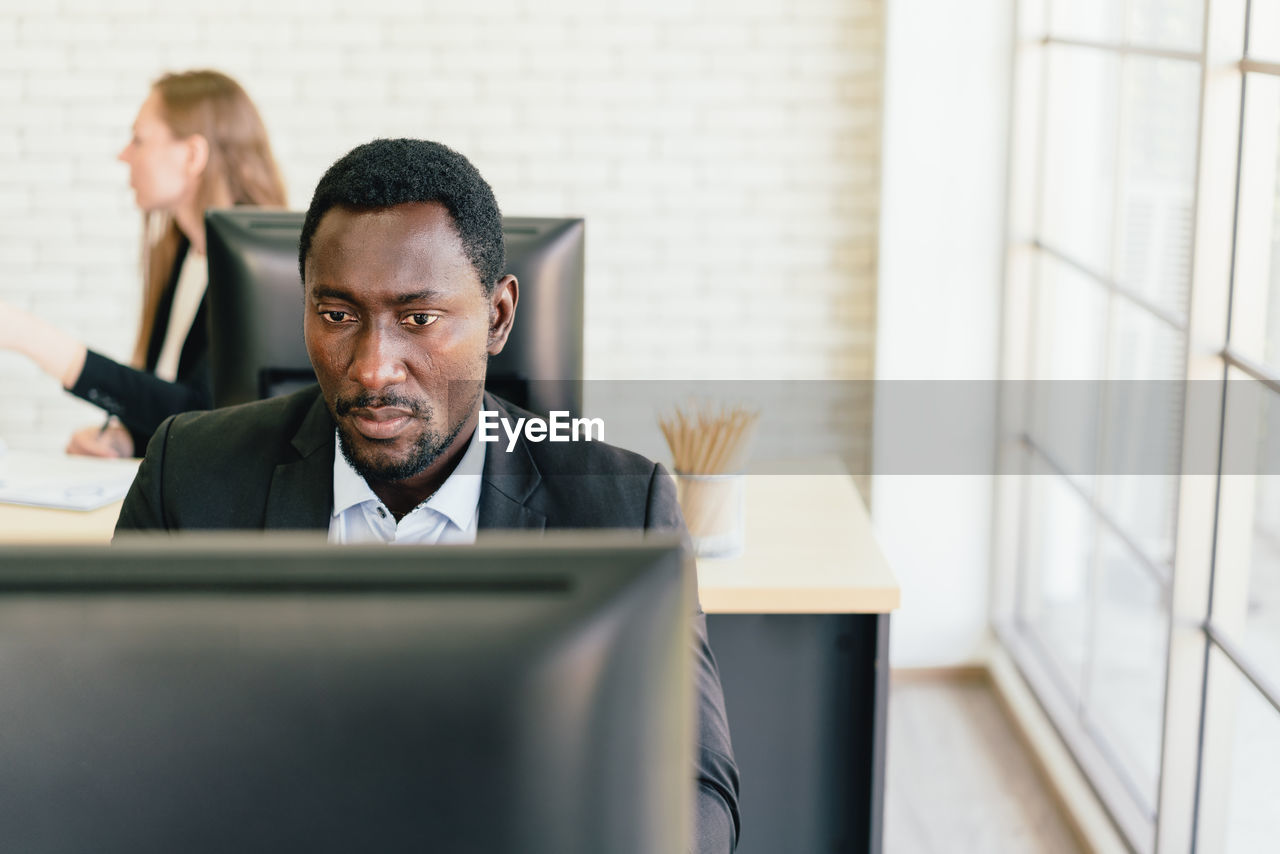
(197, 154)
(502, 312)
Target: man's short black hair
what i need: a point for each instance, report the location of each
(388, 172)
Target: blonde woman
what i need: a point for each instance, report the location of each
(197, 143)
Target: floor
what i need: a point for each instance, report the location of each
(959, 779)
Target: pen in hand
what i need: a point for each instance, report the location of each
(107, 440)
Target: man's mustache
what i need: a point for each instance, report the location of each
(369, 400)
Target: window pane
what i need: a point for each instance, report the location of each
(1262, 635)
(1247, 587)
(1125, 693)
(1143, 506)
(1269, 88)
(1057, 551)
(1144, 348)
(1070, 343)
(1142, 428)
(1080, 152)
(1176, 24)
(1156, 187)
(1255, 324)
(1264, 30)
(1091, 20)
(1241, 776)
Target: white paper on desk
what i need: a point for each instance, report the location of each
(63, 481)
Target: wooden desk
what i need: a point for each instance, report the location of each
(800, 628)
(809, 550)
(39, 525)
(48, 477)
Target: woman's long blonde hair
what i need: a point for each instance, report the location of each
(240, 171)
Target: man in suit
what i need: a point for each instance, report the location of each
(405, 298)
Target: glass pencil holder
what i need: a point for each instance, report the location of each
(714, 507)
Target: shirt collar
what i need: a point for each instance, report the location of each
(458, 498)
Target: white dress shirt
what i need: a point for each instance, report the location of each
(193, 278)
(448, 516)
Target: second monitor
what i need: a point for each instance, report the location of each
(255, 310)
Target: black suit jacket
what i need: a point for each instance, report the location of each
(140, 399)
(270, 465)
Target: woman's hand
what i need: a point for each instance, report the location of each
(110, 441)
(58, 354)
(12, 321)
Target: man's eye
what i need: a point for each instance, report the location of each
(334, 316)
(422, 319)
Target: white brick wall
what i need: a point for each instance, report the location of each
(725, 154)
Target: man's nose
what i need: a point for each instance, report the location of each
(377, 362)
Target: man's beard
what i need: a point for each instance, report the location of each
(371, 465)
